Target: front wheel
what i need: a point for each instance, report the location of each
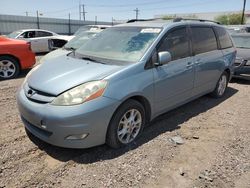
(221, 86)
(126, 124)
(9, 67)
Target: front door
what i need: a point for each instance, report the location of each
(174, 80)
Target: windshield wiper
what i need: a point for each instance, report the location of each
(70, 48)
(91, 59)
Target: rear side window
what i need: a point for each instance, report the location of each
(43, 34)
(224, 38)
(204, 39)
(176, 43)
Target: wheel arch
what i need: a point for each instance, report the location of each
(142, 100)
(14, 57)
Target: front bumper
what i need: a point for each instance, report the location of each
(53, 124)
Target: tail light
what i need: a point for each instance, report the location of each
(29, 46)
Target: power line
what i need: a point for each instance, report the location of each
(62, 10)
(126, 5)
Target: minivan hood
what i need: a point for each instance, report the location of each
(54, 54)
(62, 73)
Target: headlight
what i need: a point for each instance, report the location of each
(248, 63)
(81, 93)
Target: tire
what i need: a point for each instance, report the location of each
(122, 132)
(9, 67)
(221, 86)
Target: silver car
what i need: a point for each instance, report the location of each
(117, 82)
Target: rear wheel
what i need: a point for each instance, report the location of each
(221, 86)
(126, 124)
(9, 67)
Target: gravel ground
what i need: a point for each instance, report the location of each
(215, 152)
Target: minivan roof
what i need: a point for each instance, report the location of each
(164, 23)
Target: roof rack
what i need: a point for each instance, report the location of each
(141, 20)
(193, 19)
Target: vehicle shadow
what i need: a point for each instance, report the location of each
(165, 123)
(242, 81)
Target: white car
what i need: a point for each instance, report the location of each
(38, 38)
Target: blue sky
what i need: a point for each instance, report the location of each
(106, 9)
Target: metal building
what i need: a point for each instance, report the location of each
(10, 23)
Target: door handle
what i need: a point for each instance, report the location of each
(198, 62)
(189, 65)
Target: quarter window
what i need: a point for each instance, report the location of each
(176, 43)
(204, 40)
(224, 38)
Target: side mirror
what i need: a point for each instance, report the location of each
(163, 58)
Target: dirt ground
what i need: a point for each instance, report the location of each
(215, 152)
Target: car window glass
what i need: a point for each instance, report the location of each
(43, 34)
(204, 39)
(224, 38)
(28, 34)
(176, 43)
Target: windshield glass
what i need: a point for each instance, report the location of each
(14, 34)
(120, 43)
(241, 41)
(81, 36)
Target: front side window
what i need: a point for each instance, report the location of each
(28, 34)
(204, 39)
(224, 38)
(176, 43)
(120, 43)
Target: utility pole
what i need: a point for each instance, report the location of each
(27, 13)
(83, 12)
(37, 20)
(243, 13)
(136, 13)
(112, 21)
(69, 25)
(95, 20)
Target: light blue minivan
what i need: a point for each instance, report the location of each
(118, 81)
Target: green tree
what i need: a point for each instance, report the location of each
(230, 19)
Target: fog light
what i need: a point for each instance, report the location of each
(76, 137)
(43, 124)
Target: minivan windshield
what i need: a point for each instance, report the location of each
(241, 41)
(81, 36)
(120, 43)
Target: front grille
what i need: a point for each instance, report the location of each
(42, 93)
(38, 96)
